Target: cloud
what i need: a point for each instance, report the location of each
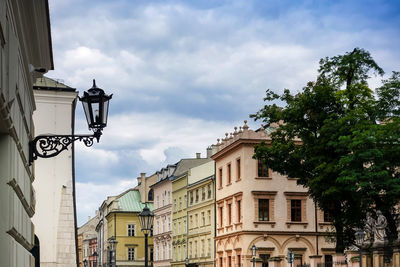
(90, 196)
(185, 72)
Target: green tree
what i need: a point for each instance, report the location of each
(331, 138)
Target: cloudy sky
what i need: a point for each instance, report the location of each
(182, 73)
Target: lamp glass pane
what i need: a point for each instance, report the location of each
(105, 111)
(87, 112)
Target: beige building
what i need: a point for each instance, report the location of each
(163, 217)
(255, 206)
(85, 234)
(55, 216)
(25, 45)
(102, 231)
(179, 214)
(200, 214)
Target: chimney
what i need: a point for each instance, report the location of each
(209, 151)
(198, 155)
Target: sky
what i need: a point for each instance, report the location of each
(183, 73)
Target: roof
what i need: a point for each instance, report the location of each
(46, 83)
(131, 201)
(185, 164)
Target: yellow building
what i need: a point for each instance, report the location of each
(200, 212)
(179, 204)
(123, 223)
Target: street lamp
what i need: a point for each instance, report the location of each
(360, 235)
(112, 245)
(254, 253)
(146, 223)
(187, 261)
(95, 104)
(94, 259)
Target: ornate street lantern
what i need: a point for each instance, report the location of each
(146, 223)
(146, 219)
(360, 235)
(253, 251)
(112, 243)
(95, 104)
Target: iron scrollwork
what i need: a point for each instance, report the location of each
(47, 146)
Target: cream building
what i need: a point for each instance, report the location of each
(179, 205)
(25, 44)
(163, 217)
(55, 216)
(200, 214)
(86, 233)
(255, 206)
(102, 231)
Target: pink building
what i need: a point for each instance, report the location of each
(255, 206)
(162, 190)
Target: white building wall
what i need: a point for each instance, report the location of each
(24, 40)
(55, 215)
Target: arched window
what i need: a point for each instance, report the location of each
(150, 196)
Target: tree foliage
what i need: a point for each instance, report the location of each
(349, 136)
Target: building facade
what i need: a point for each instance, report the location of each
(123, 223)
(55, 216)
(25, 44)
(163, 217)
(179, 205)
(102, 231)
(200, 214)
(255, 206)
(87, 240)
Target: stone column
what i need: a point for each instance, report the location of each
(339, 260)
(377, 257)
(396, 257)
(314, 260)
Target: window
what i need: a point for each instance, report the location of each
(151, 255)
(238, 172)
(169, 223)
(131, 230)
(221, 262)
(190, 249)
(229, 261)
(202, 247)
(150, 195)
(179, 227)
(239, 210)
(203, 193)
(191, 197)
(158, 227)
(196, 221)
(184, 226)
(158, 202)
(197, 195)
(327, 216)
(263, 170)
(169, 197)
(295, 209)
(174, 204)
(163, 200)
(185, 204)
(180, 203)
(228, 180)
(263, 209)
(174, 227)
(131, 254)
(203, 218)
(221, 217)
(220, 178)
(264, 258)
(209, 216)
(191, 220)
(209, 191)
(239, 260)
(229, 214)
(209, 247)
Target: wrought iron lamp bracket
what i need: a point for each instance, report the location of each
(48, 146)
